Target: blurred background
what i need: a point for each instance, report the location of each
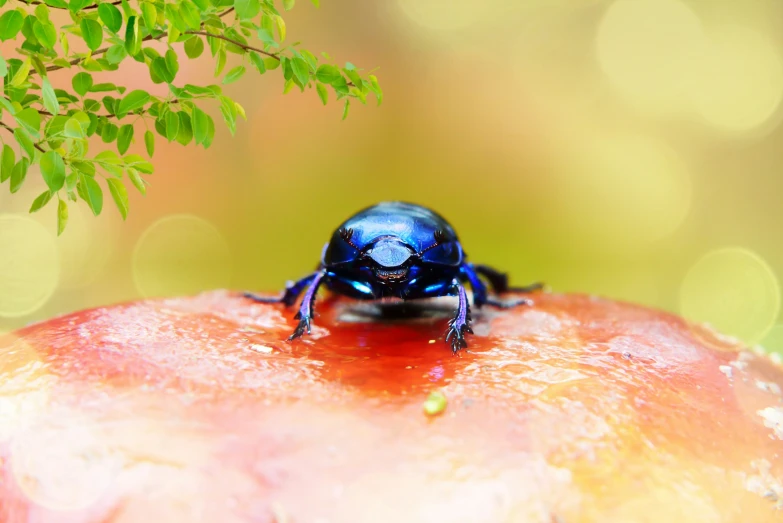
(625, 148)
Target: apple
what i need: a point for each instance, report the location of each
(575, 409)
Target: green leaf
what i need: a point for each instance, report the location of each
(138, 163)
(64, 43)
(86, 167)
(271, 63)
(149, 143)
(280, 27)
(90, 192)
(172, 62)
(200, 121)
(174, 16)
(62, 216)
(49, 98)
(376, 88)
(111, 16)
(120, 195)
(210, 133)
(22, 72)
(41, 201)
(132, 101)
(24, 141)
(45, 32)
(105, 87)
(258, 62)
(77, 5)
(7, 161)
(220, 63)
(92, 32)
(301, 70)
(247, 9)
(109, 133)
(150, 15)
(10, 24)
(73, 129)
(30, 119)
(185, 133)
(190, 14)
(160, 71)
(229, 111)
(346, 108)
(194, 47)
(124, 138)
(3, 67)
(116, 54)
(316, 3)
(328, 74)
(322, 92)
(53, 170)
(234, 74)
(133, 36)
(82, 82)
(18, 174)
(108, 157)
(288, 4)
(136, 180)
(172, 125)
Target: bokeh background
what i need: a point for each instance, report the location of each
(625, 148)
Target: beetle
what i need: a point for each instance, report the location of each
(398, 250)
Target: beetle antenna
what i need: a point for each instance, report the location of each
(440, 237)
(346, 235)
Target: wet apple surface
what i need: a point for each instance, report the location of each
(576, 409)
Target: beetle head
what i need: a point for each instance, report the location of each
(390, 260)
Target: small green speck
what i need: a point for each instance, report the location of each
(435, 403)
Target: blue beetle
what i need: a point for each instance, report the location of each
(399, 250)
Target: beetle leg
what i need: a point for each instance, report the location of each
(499, 280)
(479, 289)
(292, 292)
(306, 309)
(460, 324)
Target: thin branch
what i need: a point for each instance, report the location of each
(238, 44)
(11, 130)
(93, 6)
(77, 61)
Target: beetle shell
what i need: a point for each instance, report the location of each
(411, 224)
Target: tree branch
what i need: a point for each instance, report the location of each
(238, 44)
(77, 61)
(93, 6)
(11, 130)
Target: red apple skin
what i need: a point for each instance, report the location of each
(575, 409)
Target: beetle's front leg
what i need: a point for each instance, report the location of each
(458, 326)
(292, 292)
(306, 309)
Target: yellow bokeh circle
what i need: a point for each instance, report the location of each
(623, 191)
(735, 291)
(649, 49)
(29, 265)
(181, 255)
(740, 80)
(773, 341)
